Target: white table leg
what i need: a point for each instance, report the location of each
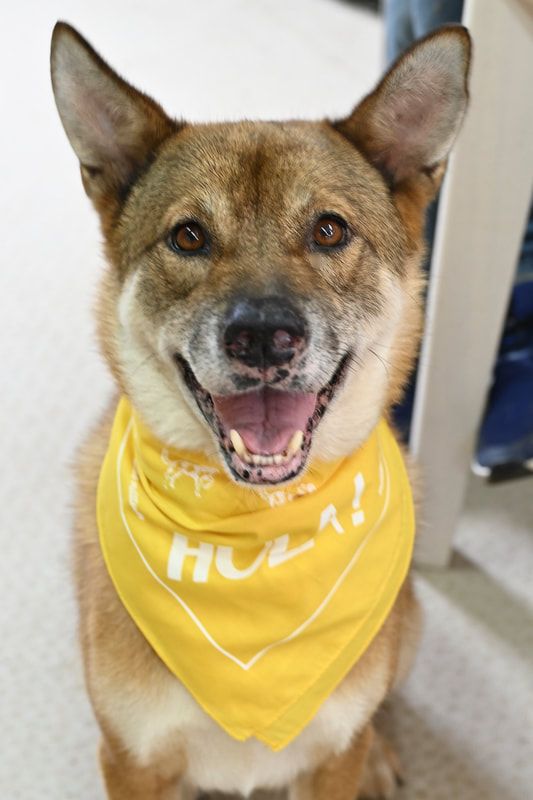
(483, 208)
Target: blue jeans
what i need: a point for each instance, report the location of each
(407, 20)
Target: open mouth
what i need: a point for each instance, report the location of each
(265, 435)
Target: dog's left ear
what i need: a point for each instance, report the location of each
(407, 125)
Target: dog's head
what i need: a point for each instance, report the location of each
(262, 298)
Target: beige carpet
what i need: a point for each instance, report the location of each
(464, 721)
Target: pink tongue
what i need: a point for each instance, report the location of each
(266, 420)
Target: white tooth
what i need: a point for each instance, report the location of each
(263, 460)
(295, 443)
(238, 444)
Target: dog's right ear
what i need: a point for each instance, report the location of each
(114, 129)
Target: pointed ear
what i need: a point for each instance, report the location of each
(408, 124)
(113, 129)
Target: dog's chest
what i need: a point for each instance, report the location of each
(217, 762)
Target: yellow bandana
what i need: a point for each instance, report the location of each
(259, 602)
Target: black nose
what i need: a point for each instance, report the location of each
(263, 332)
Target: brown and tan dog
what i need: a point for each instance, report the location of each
(307, 238)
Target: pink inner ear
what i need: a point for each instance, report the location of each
(418, 111)
(107, 122)
(410, 129)
(101, 125)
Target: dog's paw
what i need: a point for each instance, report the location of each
(383, 771)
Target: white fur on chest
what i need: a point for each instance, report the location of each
(216, 761)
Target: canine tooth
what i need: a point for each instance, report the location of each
(238, 444)
(295, 443)
(279, 459)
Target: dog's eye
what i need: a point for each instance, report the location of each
(188, 237)
(330, 231)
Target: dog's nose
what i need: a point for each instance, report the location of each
(263, 332)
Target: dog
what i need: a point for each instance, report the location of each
(260, 314)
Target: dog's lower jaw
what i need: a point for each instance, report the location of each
(278, 425)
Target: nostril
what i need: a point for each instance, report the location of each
(238, 343)
(283, 340)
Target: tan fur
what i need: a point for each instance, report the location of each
(257, 188)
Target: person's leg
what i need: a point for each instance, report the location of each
(407, 20)
(430, 14)
(399, 34)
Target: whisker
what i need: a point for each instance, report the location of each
(383, 361)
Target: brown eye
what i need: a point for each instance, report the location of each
(329, 231)
(188, 237)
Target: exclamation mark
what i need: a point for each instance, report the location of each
(358, 516)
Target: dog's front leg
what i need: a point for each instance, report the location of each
(339, 778)
(125, 779)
